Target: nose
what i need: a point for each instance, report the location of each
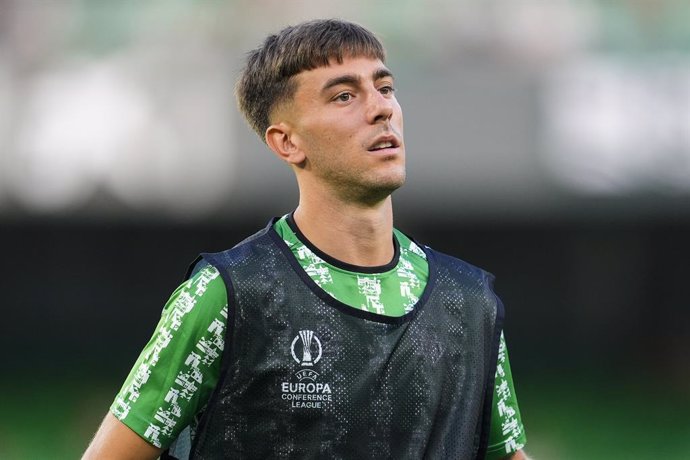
(380, 107)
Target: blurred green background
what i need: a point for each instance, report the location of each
(547, 142)
(585, 418)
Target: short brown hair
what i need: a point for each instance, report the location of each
(267, 78)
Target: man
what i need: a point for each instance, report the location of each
(328, 334)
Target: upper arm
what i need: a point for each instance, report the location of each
(507, 431)
(178, 368)
(114, 440)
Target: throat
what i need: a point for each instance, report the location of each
(354, 242)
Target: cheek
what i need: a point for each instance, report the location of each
(319, 145)
(333, 138)
(399, 116)
(331, 134)
(312, 137)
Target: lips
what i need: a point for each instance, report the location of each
(384, 142)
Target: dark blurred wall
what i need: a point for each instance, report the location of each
(80, 297)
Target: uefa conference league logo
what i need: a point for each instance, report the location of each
(307, 393)
(306, 337)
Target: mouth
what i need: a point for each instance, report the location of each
(383, 144)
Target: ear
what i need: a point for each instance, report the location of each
(279, 139)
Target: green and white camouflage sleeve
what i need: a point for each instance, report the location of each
(176, 372)
(507, 431)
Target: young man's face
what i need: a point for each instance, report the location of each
(349, 125)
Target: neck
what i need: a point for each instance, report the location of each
(350, 232)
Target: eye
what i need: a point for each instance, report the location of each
(343, 97)
(387, 90)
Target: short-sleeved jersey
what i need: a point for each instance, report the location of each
(172, 381)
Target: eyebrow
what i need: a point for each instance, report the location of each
(350, 79)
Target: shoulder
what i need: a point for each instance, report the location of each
(443, 262)
(203, 286)
(460, 267)
(466, 281)
(242, 251)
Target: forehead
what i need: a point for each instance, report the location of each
(362, 68)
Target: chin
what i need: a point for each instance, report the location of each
(395, 184)
(384, 187)
(395, 181)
